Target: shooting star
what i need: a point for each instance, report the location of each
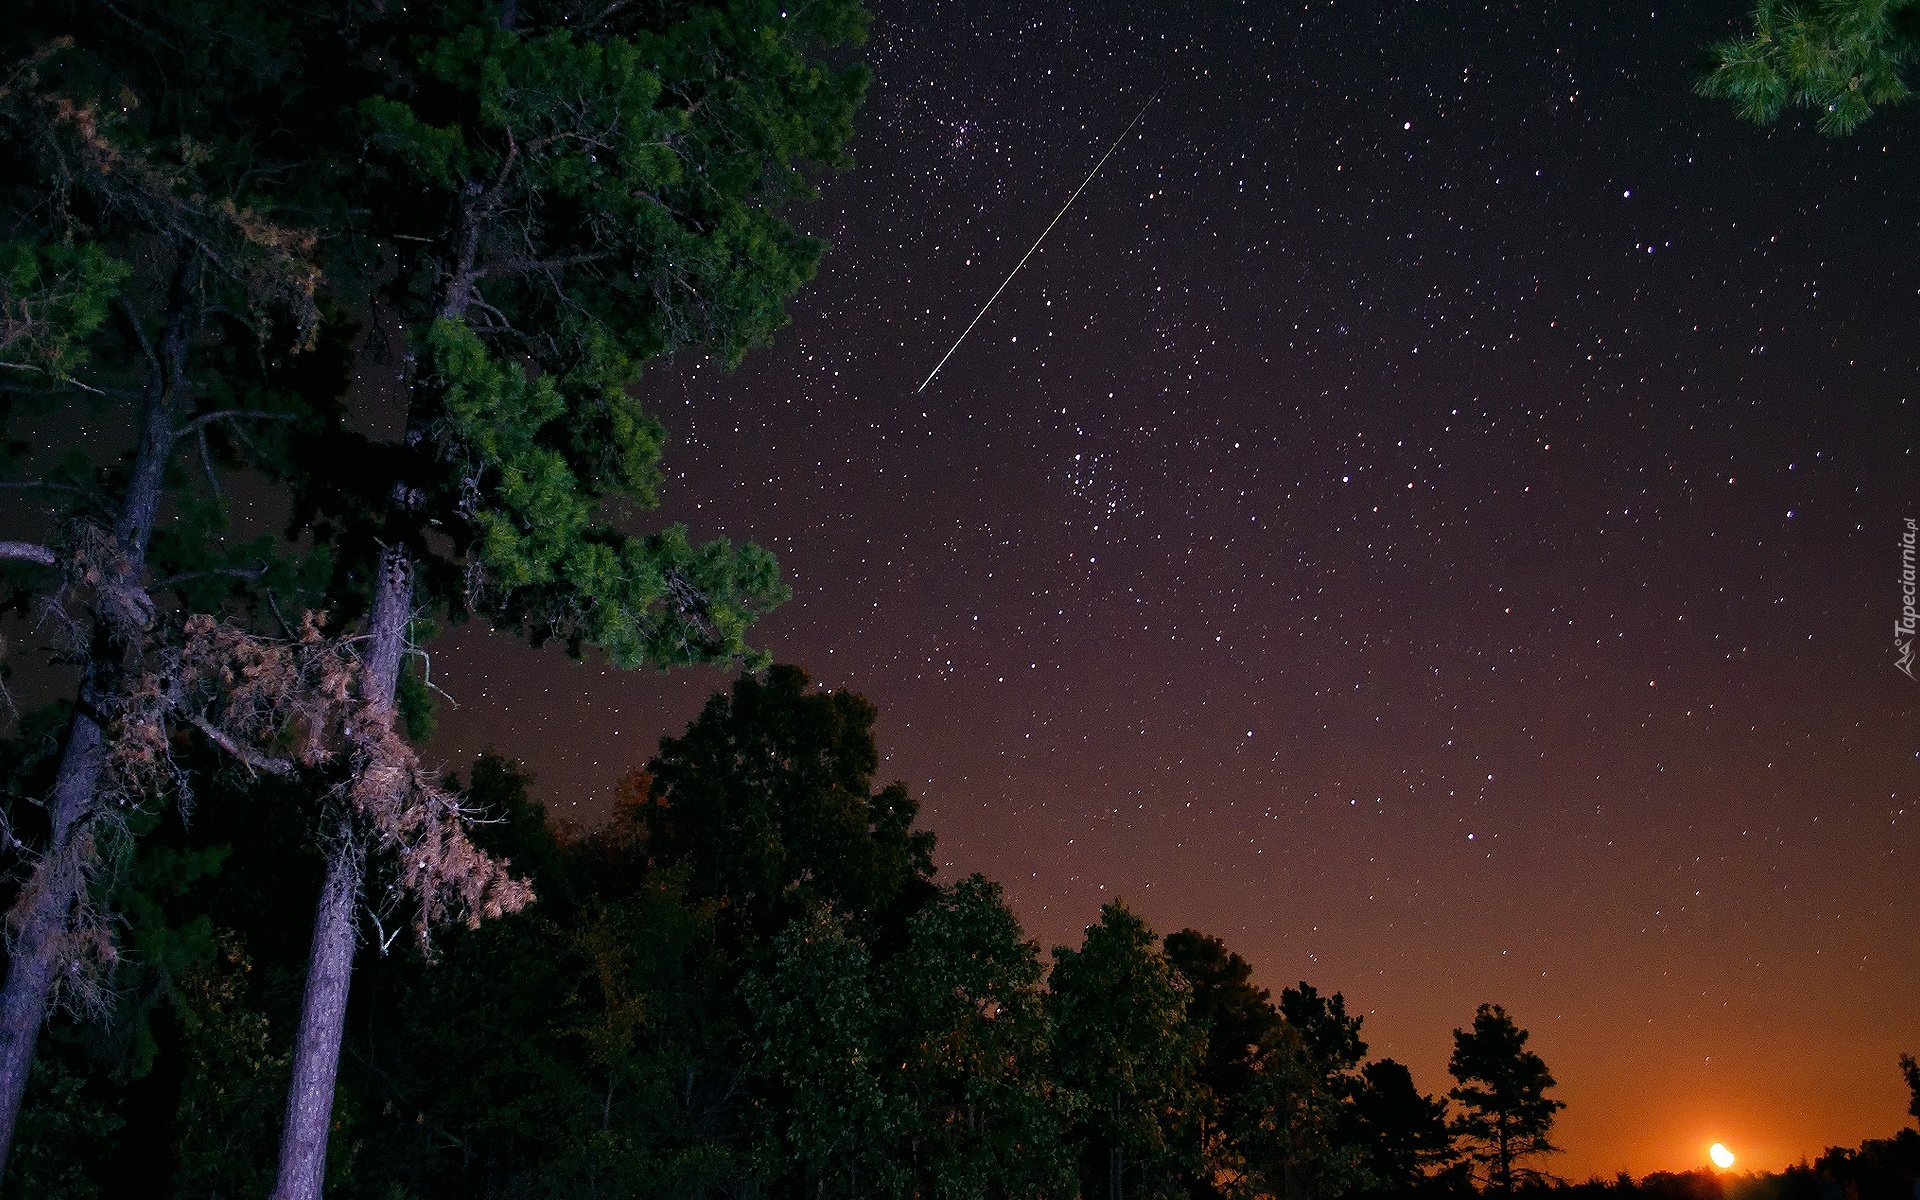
(1042, 237)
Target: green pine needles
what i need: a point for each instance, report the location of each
(1839, 58)
(52, 298)
(535, 457)
(558, 206)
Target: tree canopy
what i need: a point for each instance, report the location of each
(654, 1027)
(767, 803)
(1403, 1134)
(1125, 1043)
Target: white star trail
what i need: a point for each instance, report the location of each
(1038, 240)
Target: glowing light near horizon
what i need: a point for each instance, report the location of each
(1721, 1156)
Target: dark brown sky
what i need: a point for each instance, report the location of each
(1429, 516)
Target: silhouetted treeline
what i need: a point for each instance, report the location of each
(746, 984)
(1878, 1169)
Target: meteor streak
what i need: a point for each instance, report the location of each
(1042, 237)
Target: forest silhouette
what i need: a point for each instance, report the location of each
(255, 945)
(750, 982)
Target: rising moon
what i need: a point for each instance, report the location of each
(1721, 1156)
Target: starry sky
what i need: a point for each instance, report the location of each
(1429, 515)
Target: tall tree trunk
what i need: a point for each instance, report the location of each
(54, 895)
(44, 913)
(323, 1006)
(323, 1013)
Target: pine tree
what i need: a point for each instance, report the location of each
(1331, 1037)
(552, 193)
(528, 201)
(1242, 1029)
(1506, 1115)
(101, 173)
(1238, 1018)
(1296, 1135)
(1297, 1132)
(768, 803)
(1910, 1070)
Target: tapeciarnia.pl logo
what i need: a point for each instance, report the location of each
(1904, 627)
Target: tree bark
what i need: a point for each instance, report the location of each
(463, 275)
(323, 1006)
(54, 894)
(323, 1015)
(31, 552)
(44, 914)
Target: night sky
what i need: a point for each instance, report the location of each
(1429, 515)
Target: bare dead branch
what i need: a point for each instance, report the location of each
(251, 759)
(139, 332)
(31, 552)
(198, 424)
(497, 323)
(254, 572)
(68, 380)
(45, 485)
(426, 673)
(527, 266)
(206, 461)
(286, 626)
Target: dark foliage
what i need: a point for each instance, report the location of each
(1403, 1134)
(767, 805)
(693, 1011)
(1505, 1114)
